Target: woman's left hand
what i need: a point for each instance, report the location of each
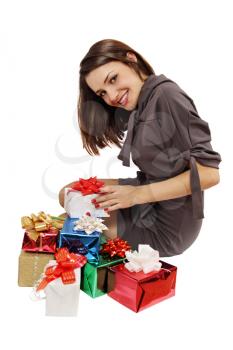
(116, 197)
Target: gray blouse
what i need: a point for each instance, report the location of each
(166, 135)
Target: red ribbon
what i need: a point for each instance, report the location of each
(115, 247)
(66, 263)
(88, 186)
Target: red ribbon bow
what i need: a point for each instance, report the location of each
(88, 186)
(115, 247)
(66, 263)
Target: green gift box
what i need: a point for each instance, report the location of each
(97, 280)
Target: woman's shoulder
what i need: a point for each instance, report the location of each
(168, 99)
(165, 96)
(171, 93)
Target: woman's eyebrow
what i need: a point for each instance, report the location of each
(105, 80)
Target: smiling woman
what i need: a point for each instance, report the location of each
(166, 139)
(111, 77)
(118, 90)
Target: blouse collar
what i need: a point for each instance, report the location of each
(149, 85)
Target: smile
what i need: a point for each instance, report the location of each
(124, 99)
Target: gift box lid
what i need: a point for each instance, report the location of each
(141, 276)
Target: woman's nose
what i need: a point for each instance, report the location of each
(113, 97)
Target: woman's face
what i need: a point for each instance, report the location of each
(117, 84)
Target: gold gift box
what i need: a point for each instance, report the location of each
(31, 266)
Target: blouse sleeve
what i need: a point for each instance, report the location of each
(196, 137)
(200, 138)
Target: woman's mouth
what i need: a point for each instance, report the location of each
(124, 99)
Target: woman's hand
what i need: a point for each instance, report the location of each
(116, 197)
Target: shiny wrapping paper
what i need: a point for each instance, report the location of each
(45, 242)
(137, 290)
(79, 241)
(31, 266)
(41, 232)
(97, 280)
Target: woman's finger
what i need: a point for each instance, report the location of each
(103, 198)
(114, 207)
(108, 189)
(106, 204)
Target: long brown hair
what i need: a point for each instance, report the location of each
(101, 124)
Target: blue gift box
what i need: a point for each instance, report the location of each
(79, 241)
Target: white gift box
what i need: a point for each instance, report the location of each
(76, 205)
(62, 299)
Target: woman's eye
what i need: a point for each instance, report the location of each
(113, 78)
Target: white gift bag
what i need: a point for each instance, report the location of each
(76, 205)
(62, 299)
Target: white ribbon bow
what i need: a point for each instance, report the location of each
(146, 259)
(89, 224)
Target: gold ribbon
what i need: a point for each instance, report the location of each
(36, 224)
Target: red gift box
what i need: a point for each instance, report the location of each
(43, 242)
(137, 290)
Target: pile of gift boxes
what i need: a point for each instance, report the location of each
(64, 254)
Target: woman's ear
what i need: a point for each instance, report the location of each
(131, 56)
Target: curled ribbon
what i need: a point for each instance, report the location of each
(65, 264)
(87, 186)
(35, 224)
(146, 259)
(115, 247)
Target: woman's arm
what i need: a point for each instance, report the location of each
(124, 196)
(177, 186)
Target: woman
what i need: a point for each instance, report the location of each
(168, 141)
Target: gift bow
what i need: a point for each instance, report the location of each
(35, 224)
(115, 247)
(88, 186)
(89, 224)
(65, 264)
(146, 259)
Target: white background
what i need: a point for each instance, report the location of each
(42, 43)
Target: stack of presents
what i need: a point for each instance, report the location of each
(62, 255)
